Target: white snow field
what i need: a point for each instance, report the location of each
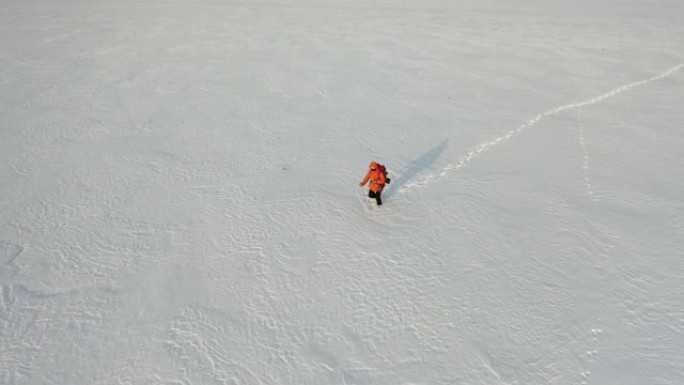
(179, 199)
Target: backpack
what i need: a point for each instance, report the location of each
(383, 169)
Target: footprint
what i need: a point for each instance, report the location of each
(596, 333)
(585, 375)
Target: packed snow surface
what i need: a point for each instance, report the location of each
(179, 199)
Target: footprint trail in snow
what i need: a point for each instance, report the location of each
(555, 111)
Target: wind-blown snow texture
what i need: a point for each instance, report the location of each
(180, 202)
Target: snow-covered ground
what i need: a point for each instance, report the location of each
(179, 199)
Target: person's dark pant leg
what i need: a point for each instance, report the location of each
(376, 195)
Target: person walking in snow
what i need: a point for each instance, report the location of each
(377, 179)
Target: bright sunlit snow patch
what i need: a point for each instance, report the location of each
(180, 200)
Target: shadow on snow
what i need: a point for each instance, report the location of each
(415, 167)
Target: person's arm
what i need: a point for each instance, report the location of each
(365, 179)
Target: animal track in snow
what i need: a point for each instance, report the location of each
(555, 111)
(585, 159)
(592, 354)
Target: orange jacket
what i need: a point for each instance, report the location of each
(376, 177)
